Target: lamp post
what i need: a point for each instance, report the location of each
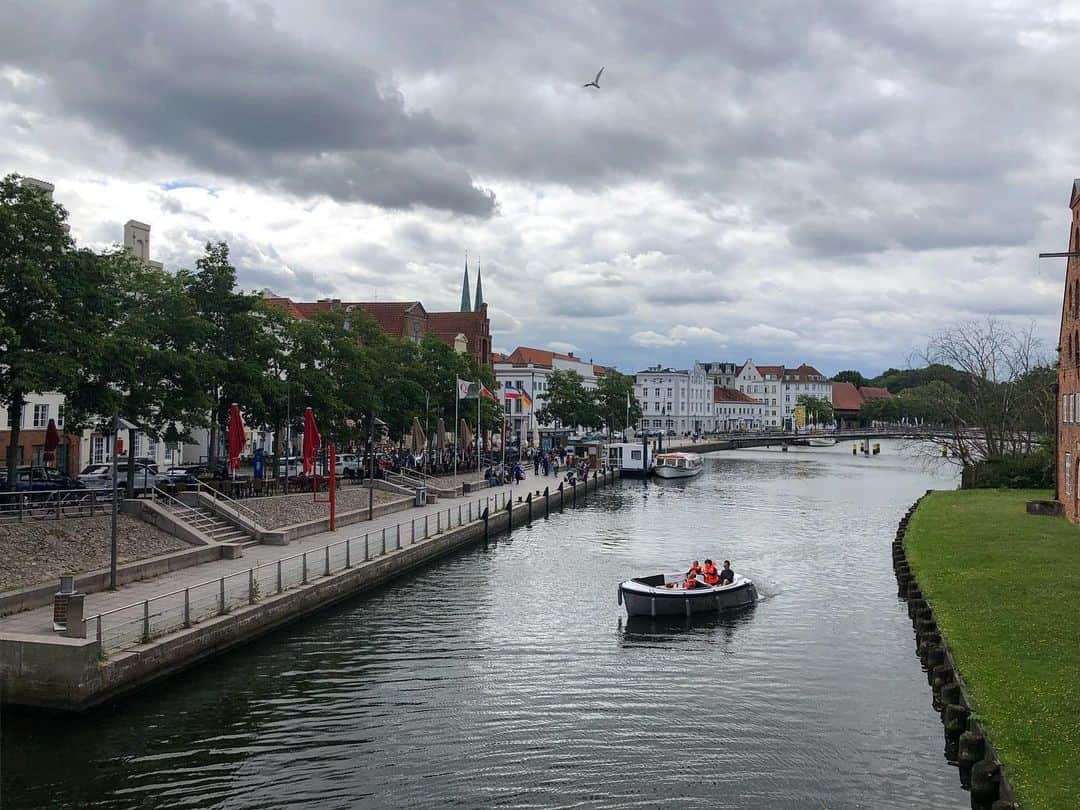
(112, 544)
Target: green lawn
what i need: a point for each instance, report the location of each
(1005, 587)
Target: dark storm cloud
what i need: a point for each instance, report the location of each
(237, 96)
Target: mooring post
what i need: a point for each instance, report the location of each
(303, 580)
(326, 573)
(251, 586)
(509, 516)
(348, 553)
(547, 502)
(384, 540)
(562, 496)
(573, 485)
(485, 518)
(279, 582)
(529, 501)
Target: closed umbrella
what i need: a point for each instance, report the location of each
(311, 441)
(536, 436)
(417, 438)
(466, 434)
(440, 437)
(237, 436)
(52, 441)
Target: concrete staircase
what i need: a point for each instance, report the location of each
(216, 528)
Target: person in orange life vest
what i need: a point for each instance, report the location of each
(691, 582)
(712, 576)
(695, 569)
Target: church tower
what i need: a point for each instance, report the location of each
(465, 303)
(479, 289)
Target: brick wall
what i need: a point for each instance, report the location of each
(1068, 403)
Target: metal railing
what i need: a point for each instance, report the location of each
(141, 622)
(56, 504)
(217, 494)
(177, 506)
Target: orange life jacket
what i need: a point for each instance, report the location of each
(712, 576)
(694, 571)
(690, 583)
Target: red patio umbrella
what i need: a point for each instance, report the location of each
(236, 437)
(52, 441)
(311, 441)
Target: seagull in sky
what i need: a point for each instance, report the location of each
(595, 82)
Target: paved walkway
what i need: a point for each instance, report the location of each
(39, 621)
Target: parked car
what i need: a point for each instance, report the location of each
(99, 476)
(39, 479)
(186, 476)
(347, 465)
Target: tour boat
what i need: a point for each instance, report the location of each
(664, 595)
(822, 442)
(678, 465)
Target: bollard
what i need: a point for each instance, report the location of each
(562, 496)
(367, 555)
(956, 718)
(326, 572)
(985, 782)
(529, 501)
(952, 696)
(915, 602)
(222, 583)
(384, 540)
(303, 579)
(971, 749)
(573, 485)
(279, 582)
(939, 676)
(348, 553)
(509, 517)
(935, 657)
(928, 642)
(425, 527)
(485, 518)
(251, 586)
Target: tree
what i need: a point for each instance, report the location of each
(568, 401)
(612, 394)
(51, 300)
(818, 411)
(999, 405)
(851, 376)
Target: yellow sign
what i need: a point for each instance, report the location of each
(800, 416)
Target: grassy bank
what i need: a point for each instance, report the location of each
(1005, 587)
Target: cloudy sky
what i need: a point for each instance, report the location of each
(823, 182)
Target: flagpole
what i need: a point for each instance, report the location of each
(479, 397)
(457, 428)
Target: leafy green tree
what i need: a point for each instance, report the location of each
(51, 300)
(612, 394)
(569, 402)
(851, 376)
(819, 411)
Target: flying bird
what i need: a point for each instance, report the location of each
(595, 82)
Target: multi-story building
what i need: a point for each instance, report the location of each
(723, 374)
(674, 399)
(735, 411)
(527, 369)
(467, 331)
(802, 381)
(1068, 433)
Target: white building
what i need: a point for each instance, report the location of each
(735, 411)
(679, 400)
(527, 369)
(803, 381)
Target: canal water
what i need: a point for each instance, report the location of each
(507, 676)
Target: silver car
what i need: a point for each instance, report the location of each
(99, 476)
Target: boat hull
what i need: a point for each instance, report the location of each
(650, 601)
(676, 472)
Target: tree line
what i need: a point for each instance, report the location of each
(570, 403)
(170, 351)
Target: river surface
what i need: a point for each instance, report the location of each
(508, 676)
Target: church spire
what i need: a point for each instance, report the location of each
(465, 287)
(479, 289)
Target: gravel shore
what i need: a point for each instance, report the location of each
(42, 550)
(286, 510)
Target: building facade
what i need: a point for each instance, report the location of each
(679, 400)
(528, 369)
(734, 411)
(1068, 406)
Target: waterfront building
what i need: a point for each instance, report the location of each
(802, 381)
(679, 400)
(735, 411)
(467, 331)
(847, 401)
(1068, 407)
(526, 369)
(723, 374)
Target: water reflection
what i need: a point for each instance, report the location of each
(683, 630)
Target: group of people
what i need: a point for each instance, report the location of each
(709, 574)
(504, 474)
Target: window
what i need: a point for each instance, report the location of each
(1068, 473)
(41, 416)
(60, 416)
(97, 450)
(1063, 400)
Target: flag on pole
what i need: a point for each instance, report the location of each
(484, 392)
(526, 400)
(466, 389)
(509, 392)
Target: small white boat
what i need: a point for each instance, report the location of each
(664, 595)
(822, 442)
(678, 465)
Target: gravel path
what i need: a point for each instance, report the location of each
(42, 550)
(286, 510)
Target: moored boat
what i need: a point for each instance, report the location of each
(664, 595)
(822, 442)
(678, 465)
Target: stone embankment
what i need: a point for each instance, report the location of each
(76, 673)
(288, 510)
(966, 742)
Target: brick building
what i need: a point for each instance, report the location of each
(1068, 449)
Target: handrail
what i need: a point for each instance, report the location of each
(221, 496)
(50, 503)
(160, 493)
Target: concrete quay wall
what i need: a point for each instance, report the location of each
(71, 674)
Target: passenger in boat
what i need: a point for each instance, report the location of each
(727, 576)
(691, 582)
(695, 569)
(712, 576)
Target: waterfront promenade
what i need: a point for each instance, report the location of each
(157, 626)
